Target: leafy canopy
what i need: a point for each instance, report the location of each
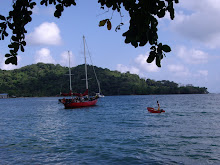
(49, 79)
(143, 14)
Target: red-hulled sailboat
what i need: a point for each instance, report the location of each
(80, 100)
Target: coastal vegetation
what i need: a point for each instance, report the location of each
(41, 79)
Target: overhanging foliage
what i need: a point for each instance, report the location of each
(143, 14)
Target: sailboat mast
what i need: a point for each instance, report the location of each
(70, 72)
(87, 87)
(99, 86)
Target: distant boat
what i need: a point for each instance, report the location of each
(80, 100)
(152, 110)
(4, 95)
(100, 93)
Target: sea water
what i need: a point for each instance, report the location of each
(119, 130)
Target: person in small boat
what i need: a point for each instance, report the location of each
(158, 106)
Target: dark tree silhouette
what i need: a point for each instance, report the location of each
(143, 14)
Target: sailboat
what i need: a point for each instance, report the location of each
(80, 99)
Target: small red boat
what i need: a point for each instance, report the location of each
(152, 110)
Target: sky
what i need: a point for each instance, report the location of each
(193, 35)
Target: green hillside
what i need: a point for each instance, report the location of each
(49, 80)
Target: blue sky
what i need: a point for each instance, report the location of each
(194, 36)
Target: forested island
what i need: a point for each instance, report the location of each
(41, 79)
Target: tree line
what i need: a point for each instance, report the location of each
(41, 79)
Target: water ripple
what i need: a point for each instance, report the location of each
(119, 130)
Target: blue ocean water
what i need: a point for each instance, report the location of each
(119, 130)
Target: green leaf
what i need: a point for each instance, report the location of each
(108, 4)
(159, 47)
(171, 10)
(14, 38)
(102, 23)
(134, 43)
(32, 5)
(29, 19)
(50, 1)
(2, 25)
(127, 40)
(2, 17)
(5, 33)
(59, 7)
(161, 13)
(109, 25)
(14, 60)
(22, 48)
(11, 51)
(166, 48)
(143, 42)
(7, 55)
(151, 57)
(57, 14)
(154, 22)
(10, 25)
(161, 4)
(158, 60)
(23, 43)
(153, 48)
(74, 3)
(172, 14)
(16, 47)
(42, 2)
(176, 1)
(8, 61)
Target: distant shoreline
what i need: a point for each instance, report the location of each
(41, 80)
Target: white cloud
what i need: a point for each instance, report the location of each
(139, 66)
(140, 62)
(43, 55)
(201, 23)
(201, 5)
(122, 68)
(49, 10)
(65, 59)
(192, 56)
(35, 10)
(180, 73)
(178, 70)
(203, 73)
(45, 34)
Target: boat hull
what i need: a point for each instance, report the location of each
(152, 110)
(80, 104)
